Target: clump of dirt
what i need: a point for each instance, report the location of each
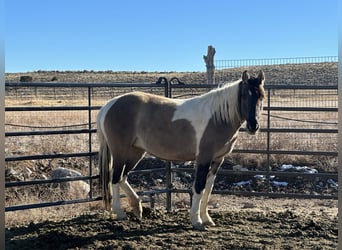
(244, 229)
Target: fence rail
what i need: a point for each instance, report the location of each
(271, 110)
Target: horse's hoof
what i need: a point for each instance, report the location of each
(137, 209)
(209, 223)
(198, 226)
(138, 212)
(138, 215)
(122, 216)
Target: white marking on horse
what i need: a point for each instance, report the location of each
(195, 218)
(189, 110)
(199, 110)
(206, 219)
(102, 115)
(116, 208)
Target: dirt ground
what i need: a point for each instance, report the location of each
(241, 223)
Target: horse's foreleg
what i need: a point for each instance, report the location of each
(199, 185)
(206, 219)
(134, 198)
(195, 211)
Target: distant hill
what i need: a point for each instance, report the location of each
(303, 74)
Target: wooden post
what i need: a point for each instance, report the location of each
(209, 63)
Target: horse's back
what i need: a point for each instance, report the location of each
(133, 106)
(145, 121)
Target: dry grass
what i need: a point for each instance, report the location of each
(31, 145)
(306, 73)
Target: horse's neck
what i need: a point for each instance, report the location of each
(224, 104)
(220, 104)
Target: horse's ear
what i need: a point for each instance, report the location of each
(245, 76)
(261, 77)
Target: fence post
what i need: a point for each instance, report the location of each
(169, 186)
(89, 143)
(268, 139)
(209, 63)
(169, 87)
(169, 164)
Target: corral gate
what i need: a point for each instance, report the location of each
(267, 131)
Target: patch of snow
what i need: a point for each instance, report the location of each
(243, 183)
(280, 183)
(239, 168)
(301, 169)
(332, 183)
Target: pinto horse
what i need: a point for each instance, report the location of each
(206, 126)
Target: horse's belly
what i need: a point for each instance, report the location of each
(164, 148)
(173, 155)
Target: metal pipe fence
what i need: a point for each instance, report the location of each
(224, 64)
(304, 71)
(40, 124)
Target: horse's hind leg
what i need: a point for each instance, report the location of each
(116, 179)
(134, 198)
(134, 157)
(116, 208)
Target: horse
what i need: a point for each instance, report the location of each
(207, 126)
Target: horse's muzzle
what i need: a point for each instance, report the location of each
(252, 127)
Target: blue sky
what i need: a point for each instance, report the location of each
(163, 35)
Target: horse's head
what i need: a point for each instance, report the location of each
(251, 95)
